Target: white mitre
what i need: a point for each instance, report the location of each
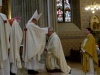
(35, 16)
(0, 2)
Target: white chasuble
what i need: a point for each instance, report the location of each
(35, 43)
(15, 42)
(54, 48)
(4, 45)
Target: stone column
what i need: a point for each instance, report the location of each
(43, 22)
(52, 16)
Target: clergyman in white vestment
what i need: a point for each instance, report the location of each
(35, 43)
(15, 42)
(55, 59)
(4, 43)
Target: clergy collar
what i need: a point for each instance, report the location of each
(88, 34)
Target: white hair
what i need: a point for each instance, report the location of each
(51, 29)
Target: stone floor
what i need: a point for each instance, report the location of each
(76, 70)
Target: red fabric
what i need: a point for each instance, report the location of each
(5, 21)
(25, 29)
(11, 21)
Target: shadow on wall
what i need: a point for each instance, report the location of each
(75, 56)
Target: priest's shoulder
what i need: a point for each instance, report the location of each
(31, 25)
(28, 25)
(56, 36)
(1, 14)
(15, 21)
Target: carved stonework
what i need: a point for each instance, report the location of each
(71, 40)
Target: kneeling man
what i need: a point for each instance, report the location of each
(55, 59)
